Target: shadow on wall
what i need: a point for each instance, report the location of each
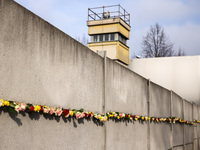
(37, 116)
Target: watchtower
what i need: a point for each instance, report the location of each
(108, 28)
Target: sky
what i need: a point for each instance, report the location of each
(179, 18)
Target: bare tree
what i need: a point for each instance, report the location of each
(83, 39)
(156, 43)
(181, 52)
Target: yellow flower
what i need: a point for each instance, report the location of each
(118, 117)
(37, 108)
(104, 119)
(100, 118)
(71, 113)
(136, 119)
(6, 103)
(129, 116)
(142, 118)
(110, 115)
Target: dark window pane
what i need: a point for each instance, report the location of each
(112, 37)
(95, 38)
(106, 37)
(101, 38)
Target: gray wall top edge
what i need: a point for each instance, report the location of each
(55, 28)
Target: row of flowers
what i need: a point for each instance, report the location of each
(78, 114)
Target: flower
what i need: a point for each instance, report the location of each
(66, 112)
(58, 112)
(23, 106)
(78, 115)
(1, 102)
(46, 109)
(31, 108)
(71, 113)
(6, 103)
(52, 110)
(37, 108)
(118, 117)
(41, 108)
(18, 108)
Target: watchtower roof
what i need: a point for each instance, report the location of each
(108, 12)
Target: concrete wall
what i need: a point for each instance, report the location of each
(174, 73)
(41, 64)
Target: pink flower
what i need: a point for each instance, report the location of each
(46, 109)
(18, 108)
(23, 106)
(52, 110)
(78, 115)
(58, 112)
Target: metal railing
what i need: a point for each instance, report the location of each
(106, 12)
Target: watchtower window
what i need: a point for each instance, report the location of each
(101, 38)
(95, 38)
(112, 37)
(106, 37)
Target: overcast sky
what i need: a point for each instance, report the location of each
(180, 19)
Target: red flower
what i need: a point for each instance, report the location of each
(134, 116)
(86, 114)
(66, 112)
(31, 108)
(89, 116)
(126, 116)
(41, 108)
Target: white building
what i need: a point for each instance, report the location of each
(179, 74)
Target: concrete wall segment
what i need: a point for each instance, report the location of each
(127, 91)
(159, 101)
(49, 66)
(177, 106)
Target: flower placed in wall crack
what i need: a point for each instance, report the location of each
(52, 110)
(37, 108)
(58, 111)
(46, 109)
(18, 108)
(71, 113)
(66, 113)
(6, 103)
(31, 108)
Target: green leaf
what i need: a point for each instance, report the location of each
(11, 110)
(12, 104)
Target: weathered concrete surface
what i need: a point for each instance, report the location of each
(188, 134)
(178, 148)
(188, 147)
(40, 64)
(188, 111)
(127, 91)
(196, 144)
(159, 101)
(36, 132)
(177, 134)
(159, 107)
(129, 136)
(177, 106)
(159, 136)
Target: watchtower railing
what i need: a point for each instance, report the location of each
(106, 12)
